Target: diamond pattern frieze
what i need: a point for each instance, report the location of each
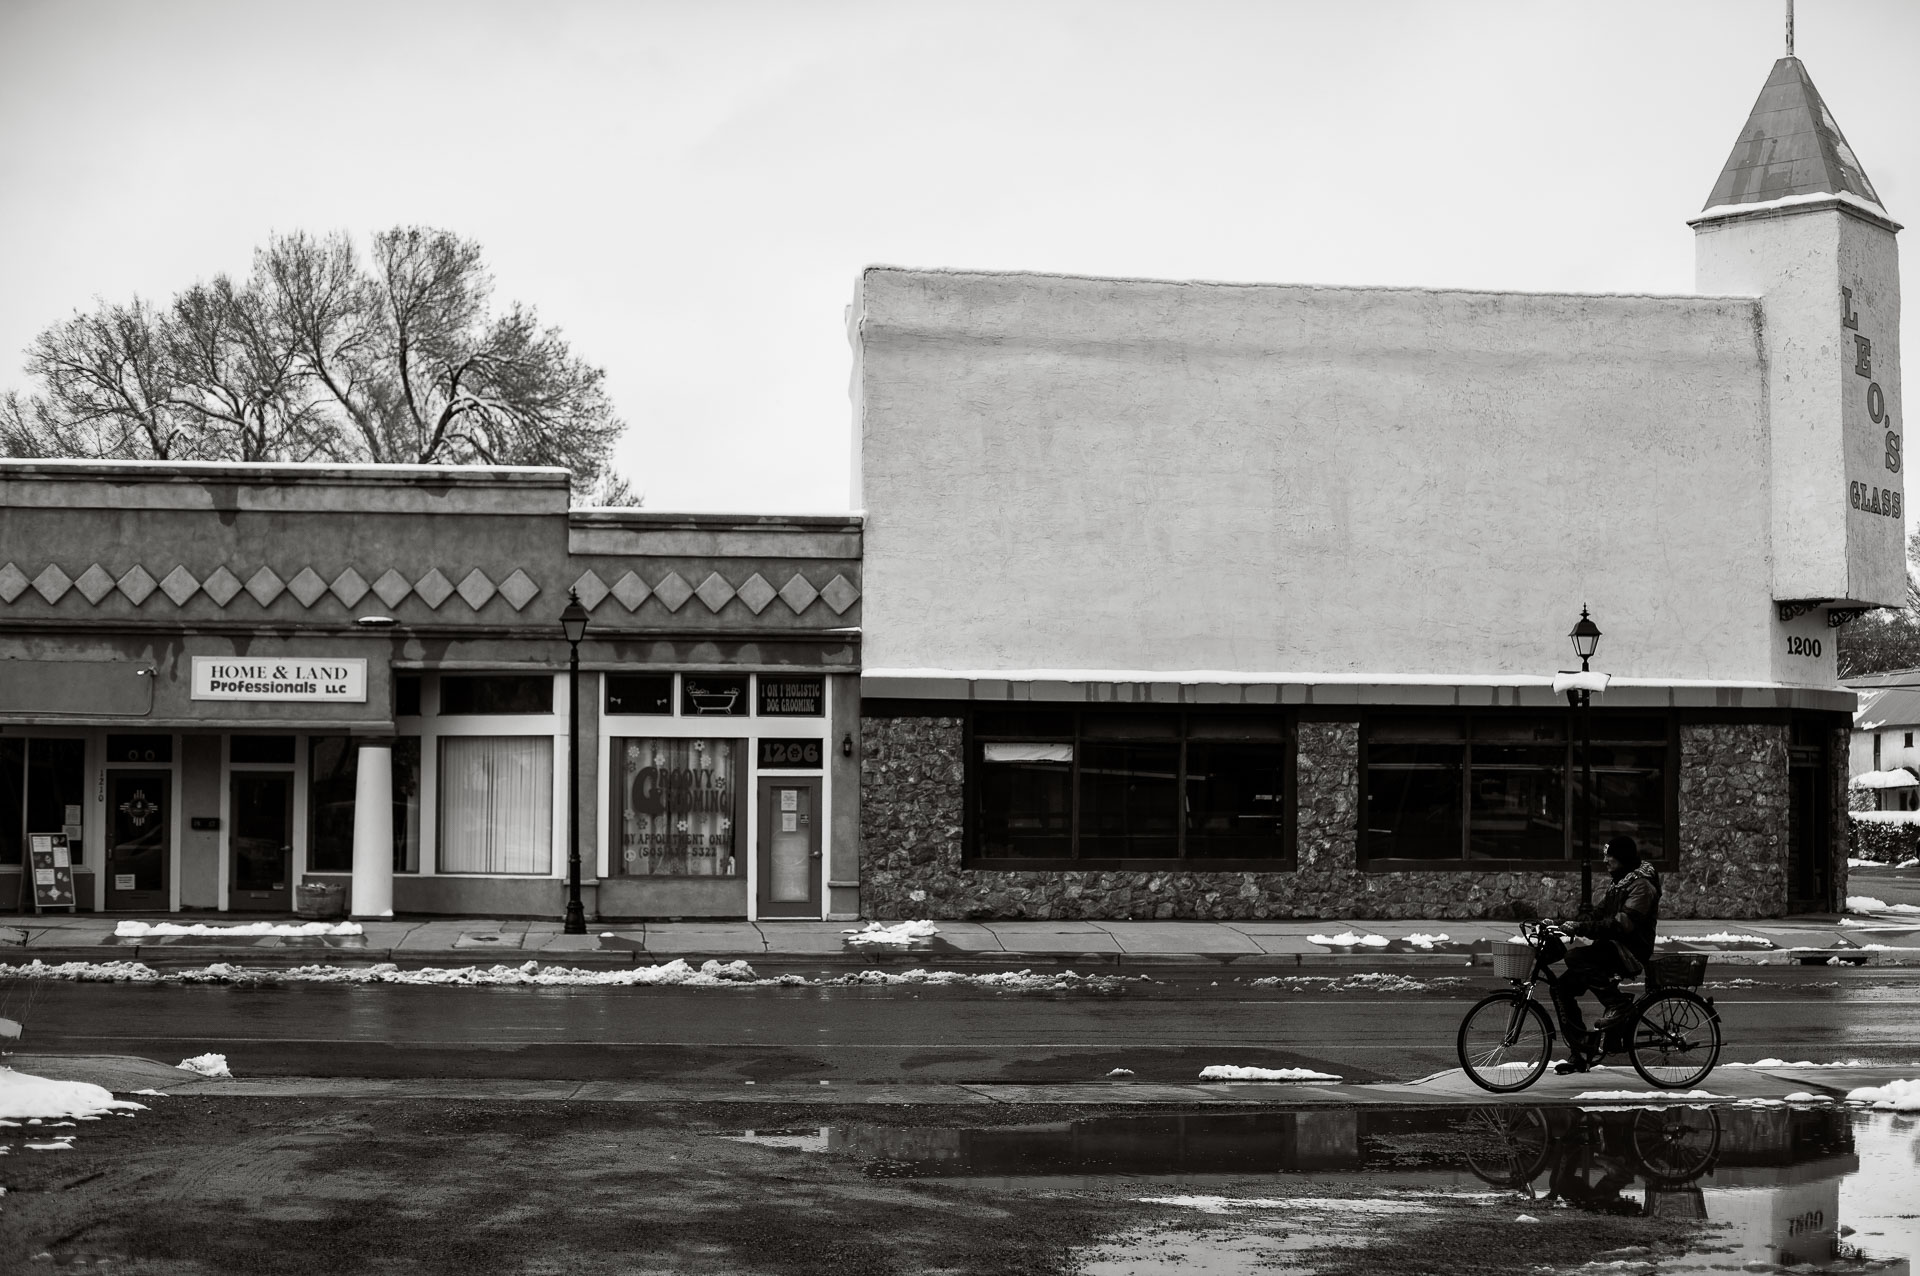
(757, 593)
(137, 584)
(630, 591)
(307, 586)
(52, 584)
(222, 585)
(180, 585)
(433, 588)
(265, 585)
(392, 587)
(798, 593)
(840, 594)
(94, 584)
(590, 589)
(349, 587)
(519, 589)
(673, 592)
(715, 592)
(476, 589)
(13, 582)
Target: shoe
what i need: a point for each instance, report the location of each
(1612, 1015)
(1567, 1067)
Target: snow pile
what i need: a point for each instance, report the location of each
(87, 972)
(1807, 1096)
(1782, 1063)
(1121, 1072)
(1894, 1096)
(1428, 941)
(207, 1065)
(1640, 1095)
(900, 933)
(25, 1097)
(1912, 863)
(1347, 939)
(141, 930)
(1586, 680)
(1868, 904)
(1723, 937)
(676, 973)
(1234, 1072)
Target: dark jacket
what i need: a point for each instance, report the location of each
(1627, 914)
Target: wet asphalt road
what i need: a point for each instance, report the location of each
(1166, 1031)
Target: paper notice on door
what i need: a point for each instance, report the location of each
(789, 822)
(789, 799)
(72, 831)
(123, 881)
(73, 814)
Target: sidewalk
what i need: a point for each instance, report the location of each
(1888, 940)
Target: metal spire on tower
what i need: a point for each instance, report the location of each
(1789, 28)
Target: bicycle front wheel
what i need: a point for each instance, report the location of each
(1675, 1040)
(1504, 1043)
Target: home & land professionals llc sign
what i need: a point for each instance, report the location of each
(342, 680)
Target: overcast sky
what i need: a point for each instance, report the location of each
(689, 189)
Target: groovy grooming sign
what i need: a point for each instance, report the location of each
(341, 680)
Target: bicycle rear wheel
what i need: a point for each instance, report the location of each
(1675, 1040)
(1504, 1043)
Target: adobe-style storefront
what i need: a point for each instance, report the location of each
(211, 676)
(1266, 586)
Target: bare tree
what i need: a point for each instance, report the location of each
(1888, 639)
(314, 357)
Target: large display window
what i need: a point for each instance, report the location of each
(1493, 789)
(1086, 789)
(678, 806)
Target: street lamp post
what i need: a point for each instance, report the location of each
(573, 623)
(1586, 640)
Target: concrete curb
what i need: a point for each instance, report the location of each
(127, 1074)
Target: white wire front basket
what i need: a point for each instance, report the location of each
(1513, 959)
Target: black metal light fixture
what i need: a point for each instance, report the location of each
(846, 745)
(1585, 636)
(573, 623)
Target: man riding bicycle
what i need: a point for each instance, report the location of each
(1621, 923)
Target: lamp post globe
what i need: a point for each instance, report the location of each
(1586, 638)
(573, 624)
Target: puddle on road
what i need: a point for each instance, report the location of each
(1817, 1187)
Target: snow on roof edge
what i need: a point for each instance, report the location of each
(1790, 201)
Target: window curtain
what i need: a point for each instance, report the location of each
(496, 804)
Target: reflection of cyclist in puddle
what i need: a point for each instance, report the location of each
(1592, 1157)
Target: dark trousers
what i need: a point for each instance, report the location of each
(1590, 968)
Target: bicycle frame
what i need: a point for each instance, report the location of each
(1534, 933)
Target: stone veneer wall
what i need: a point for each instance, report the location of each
(1733, 812)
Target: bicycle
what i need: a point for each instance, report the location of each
(1671, 1034)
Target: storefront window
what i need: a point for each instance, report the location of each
(1460, 789)
(496, 693)
(1085, 788)
(333, 780)
(43, 785)
(496, 804)
(677, 807)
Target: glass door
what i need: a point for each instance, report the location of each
(139, 840)
(261, 842)
(790, 863)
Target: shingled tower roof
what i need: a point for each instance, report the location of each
(1790, 146)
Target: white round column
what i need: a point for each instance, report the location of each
(373, 832)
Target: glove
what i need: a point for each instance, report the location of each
(1583, 929)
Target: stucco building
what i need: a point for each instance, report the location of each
(1240, 600)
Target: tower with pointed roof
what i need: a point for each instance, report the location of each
(1794, 220)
